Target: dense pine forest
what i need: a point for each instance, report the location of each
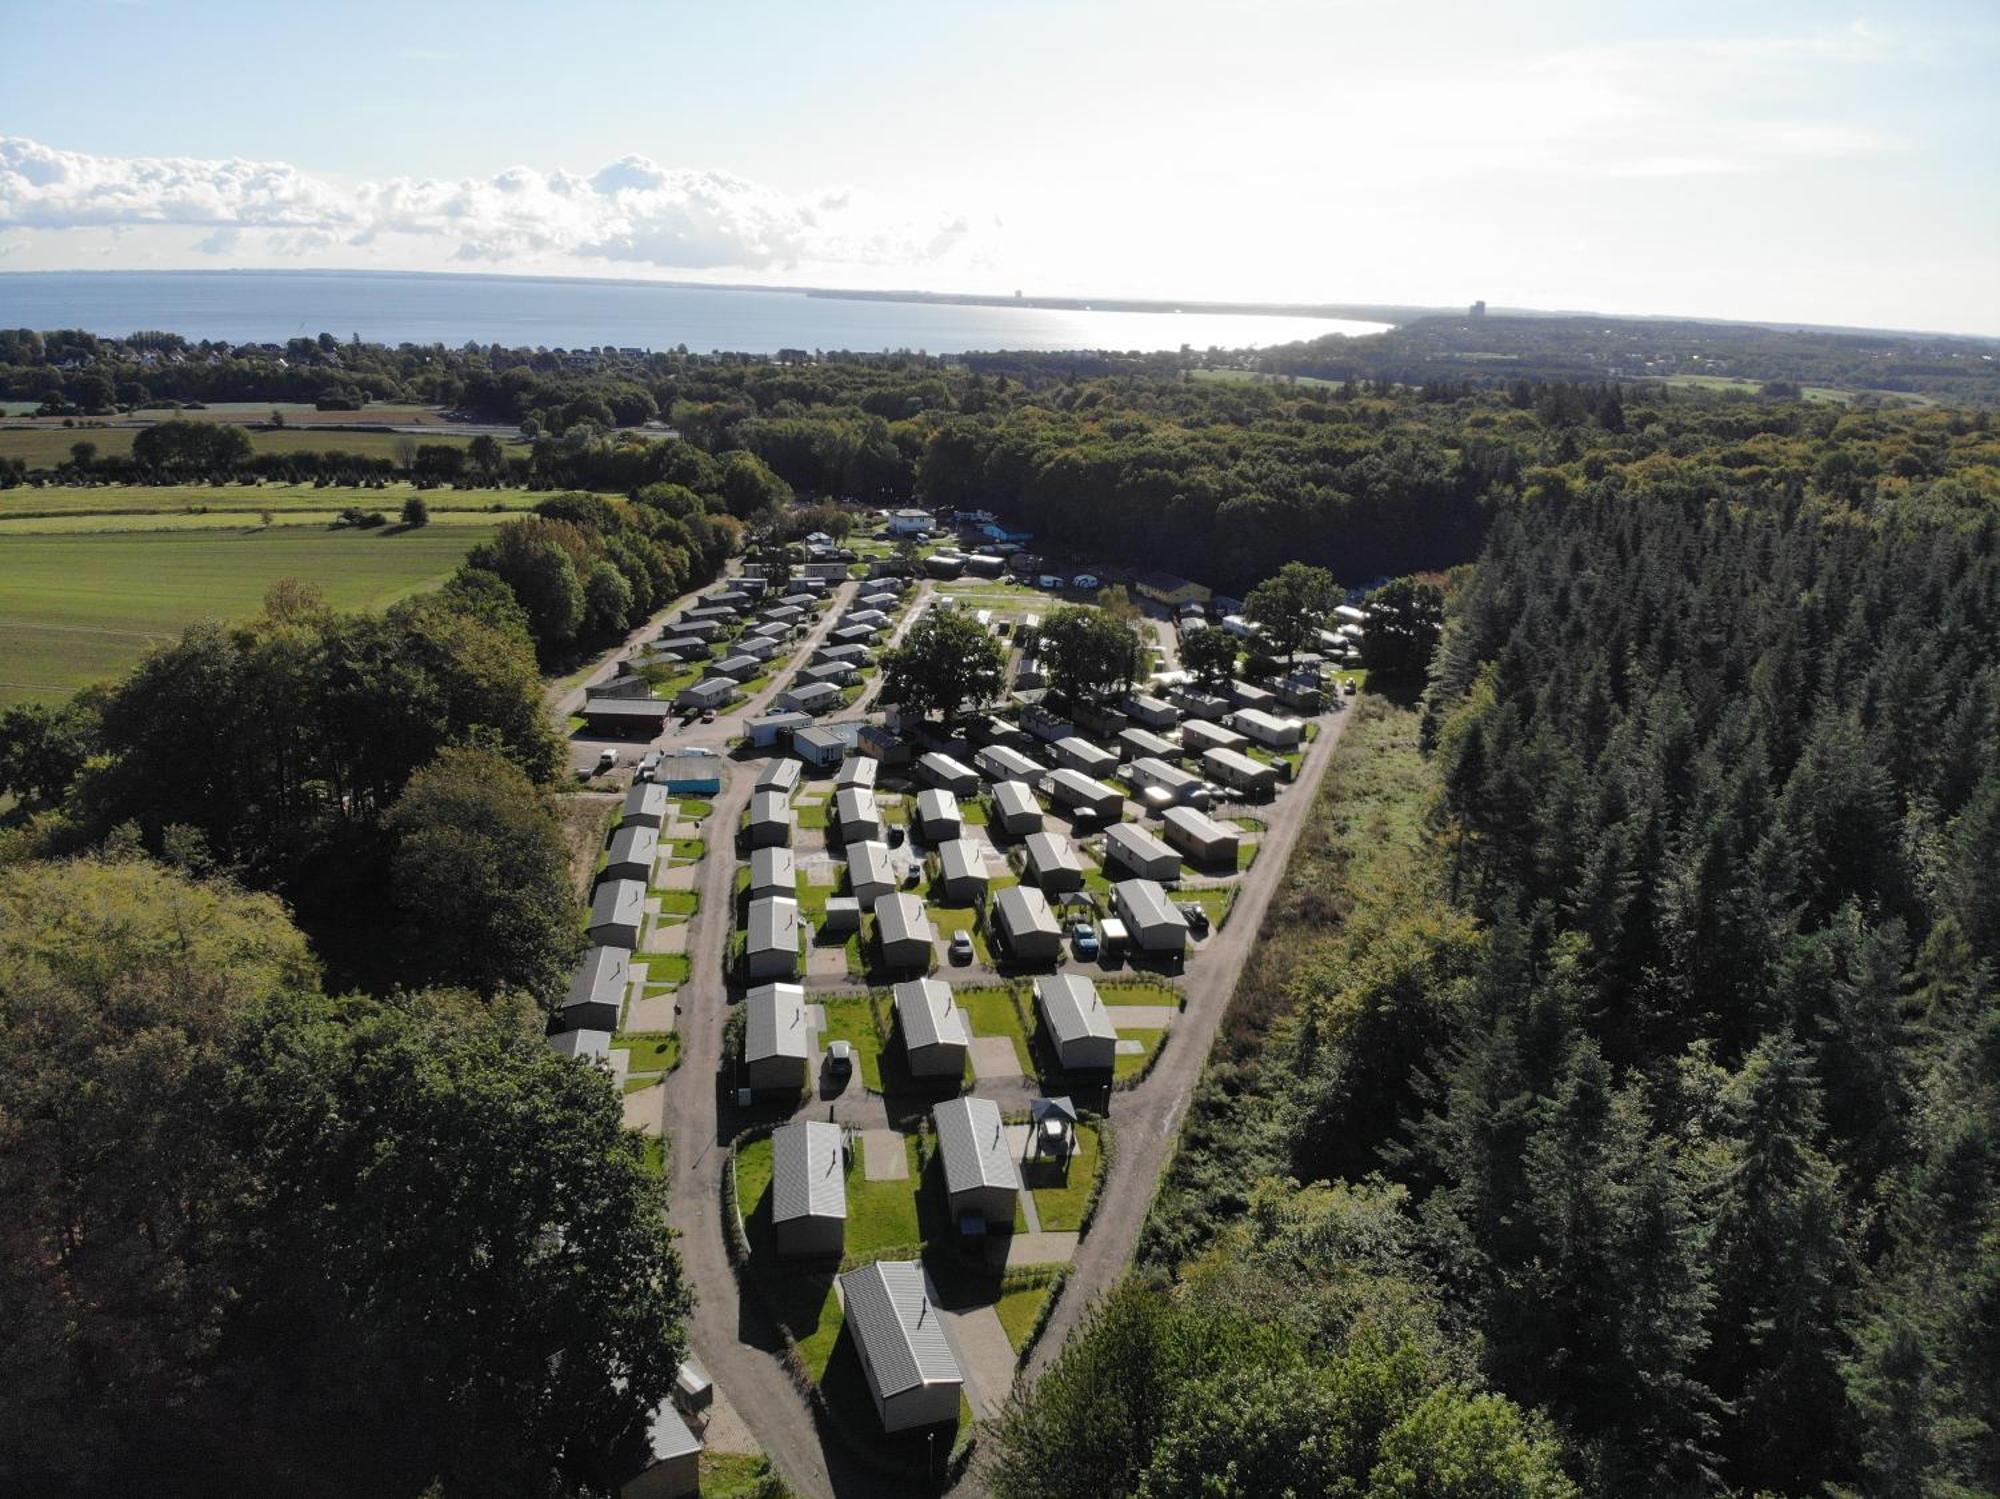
(1635, 1014)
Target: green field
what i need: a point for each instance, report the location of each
(45, 447)
(241, 499)
(77, 609)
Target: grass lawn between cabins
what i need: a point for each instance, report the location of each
(1020, 1310)
(992, 1012)
(1134, 1064)
(853, 1021)
(79, 609)
(650, 1051)
(739, 1475)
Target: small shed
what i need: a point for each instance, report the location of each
(770, 823)
(1154, 922)
(771, 945)
(903, 928)
(596, 998)
(842, 915)
(1053, 863)
(617, 912)
(1240, 772)
(1075, 792)
(1015, 810)
(809, 1188)
(950, 775)
(855, 814)
(980, 1175)
(1130, 848)
(773, 871)
(632, 853)
(938, 815)
(777, 1040)
(870, 872)
(1026, 925)
(961, 872)
(1200, 837)
(935, 1040)
(1077, 1021)
(646, 804)
(781, 776)
(912, 1372)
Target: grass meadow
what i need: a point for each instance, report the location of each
(76, 609)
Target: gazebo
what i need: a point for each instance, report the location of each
(1054, 1121)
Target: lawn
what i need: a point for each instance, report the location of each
(695, 811)
(1020, 1310)
(1217, 900)
(753, 1175)
(650, 1051)
(738, 1475)
(991, 1012)
(853, 1021)
(1132, 1065)
(665, 967)
(1117, 992)
(689, 849)
(677, 902)
(882, 1216)
(78, 609)
(949, 919)
(812, 814)
(1060, 1204)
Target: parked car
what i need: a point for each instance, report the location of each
(961, 947)
(840, 1058)
(1196, 917)
(605, 760)
(708, 715)
(648, 765)
(1083, 937)
(1348, 687)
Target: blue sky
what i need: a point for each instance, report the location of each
(1783, 161)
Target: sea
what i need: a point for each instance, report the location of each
(519, 311)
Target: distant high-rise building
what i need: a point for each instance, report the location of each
(1479, 309)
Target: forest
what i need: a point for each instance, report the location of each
(1632, 1031)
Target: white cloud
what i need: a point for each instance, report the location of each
(632, 211)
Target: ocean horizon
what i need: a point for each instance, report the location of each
(563, 312)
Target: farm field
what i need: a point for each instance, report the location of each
(77, 609)
(44, 447)
(244, 499)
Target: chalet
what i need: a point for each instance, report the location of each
(770, 824)
(1074, 792)
(596, 999)
(633, 852)
(1153, 712)
(870, 873)
(781, 776)
(1154, 922)
(771, 943)
(951, 775)
(810, 697)
(1079, 754)
(981, 1178)
(859, 772)
(904, 930)
(961, 872)
(1025, 924)
(1015, 810)
(1053, 863)
(669, 1467)
(809, 1188)
(1268, 729)
(1198, 737)
(1252, 777)
(821, 746)
(777, 1040)
(1077, 1022)
(1200, 837)
(1130, 848)
(1134, 743)
(773, 871)
(707, 694)
(855, 814)
(935, 1040)
(938, 815)
(647, 804)
(912, 1371)
(1000, 762)
(617, 912)
(1149, 773)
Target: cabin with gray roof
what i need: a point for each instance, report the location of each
(777, 1040)
(1153, 712)
(961, 872)
(1167, 781)
(811, 697)
(938, 815)
(669, 1465)
(980, 1175)
(1002, 762)
(1026, 925)
(1198, 737)
(1078, 1022)
(626, 717)
(1153, 922)
(771, 946)
(907, 1359)
(596, 998)
(855, 815)
(617, 912)
(1240, 772)
(1268, 729)
(770, 823)
(1134, 744)
(809, 1188)
(935, 1039)
(709, 692)
(1075, 792)
(685, 774)
(860, 771)
(646, 804)
(1130, 848)
(633, 852)
(773, 728)
(1015, 810)
(1200, 837)
(782, 777)
(871, 874)
(773, 871)
(1053, 863)
(1080, 755)
(951, 775)
(903, 928)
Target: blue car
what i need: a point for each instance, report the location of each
(1083, 936)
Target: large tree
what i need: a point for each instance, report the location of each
(1087, 653)
(945, 663)
(259, 1240)
(1405, 618)
(1209, 656)
(1290, 605)
(480, 877)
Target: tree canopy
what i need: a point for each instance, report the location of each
(946, 663)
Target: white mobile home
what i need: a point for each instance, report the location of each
(1078, 1023)
(617, 912)
(870, 872)
(1000, 762)
(1200, 837)
(1148, 773)
(1239, 771)
(1075, 792)
(808, 1188)
(1015, 810)
(935, 1040)
(1268, 729)
(770, 820)
(781, 776)
(777, 1040)
(949, 774)
(961, 872)
(1135, 744)
(1079, 754)
(1053, 863)
(773, 871)
(1026, 925)
(1154, 922)
(1131, 849)
(904, 929)
(1198, 738)
(980, 1176)
(855, 815)
(938, 815)
(771, 947)
(912, 1372)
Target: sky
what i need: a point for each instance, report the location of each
(1753, 159)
